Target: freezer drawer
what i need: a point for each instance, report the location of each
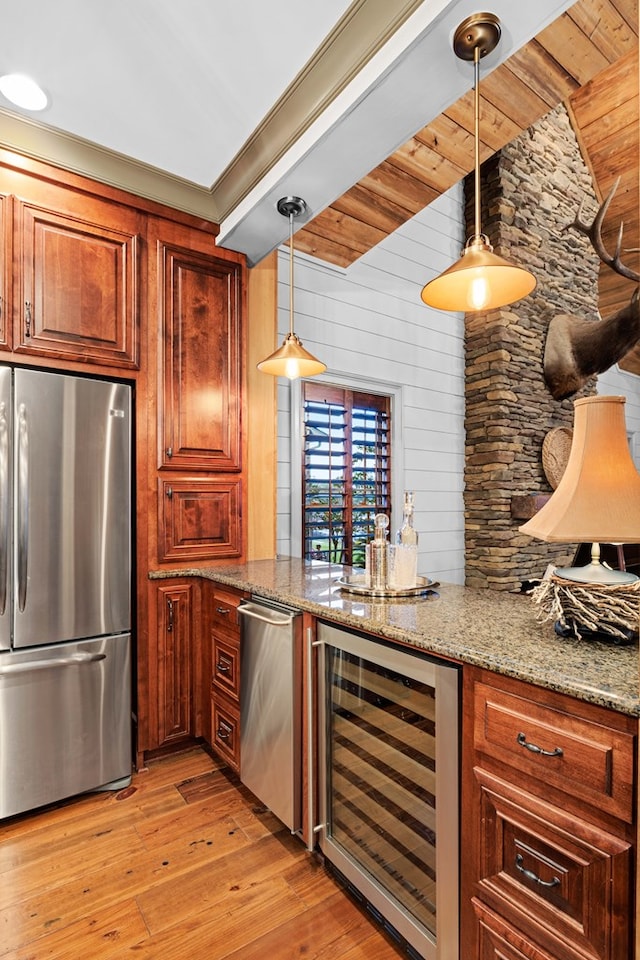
(65, 721)
(270, 708)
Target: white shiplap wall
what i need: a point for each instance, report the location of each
(369, 322)
(617, 382)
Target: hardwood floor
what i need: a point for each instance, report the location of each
(185, 863)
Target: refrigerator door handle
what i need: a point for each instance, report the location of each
(29, 666)
(4, 506)
(23, 505)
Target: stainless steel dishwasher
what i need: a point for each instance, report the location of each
(271, 706)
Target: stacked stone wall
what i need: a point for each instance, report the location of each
(531, 191)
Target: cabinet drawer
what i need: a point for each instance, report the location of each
(561, 881)
(559, 751)
(224, 609)
(225, 731)
(498, 941)
(226, 665)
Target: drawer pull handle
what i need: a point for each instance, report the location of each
(522, 740)
(222, 667)
(530, 875)
(223, 734)
(223, 611)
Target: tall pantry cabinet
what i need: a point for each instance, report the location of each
(195, 477)
(95, 280)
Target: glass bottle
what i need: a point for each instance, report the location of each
(403, 572)
(377, 555)
(407, 533)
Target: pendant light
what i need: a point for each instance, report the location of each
(291, 359)
(480, 280)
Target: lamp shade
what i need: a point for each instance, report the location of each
(480, 280)
(598, 496)
(291, 360)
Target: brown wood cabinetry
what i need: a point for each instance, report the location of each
(199, 295)
(199, 518)
(175, 643)
(5, 268)
(548, 825)
(76, 277)
(224, 640)
(70, 282)
(194, 463)
(200, 399)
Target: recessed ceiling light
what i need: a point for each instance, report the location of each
(23, 91)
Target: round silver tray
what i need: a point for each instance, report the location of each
(356, 583)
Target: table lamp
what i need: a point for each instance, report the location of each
(598, 497)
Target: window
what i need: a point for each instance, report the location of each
(346, 472)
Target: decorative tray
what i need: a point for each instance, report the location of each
(356, 583)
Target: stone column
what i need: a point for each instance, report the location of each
(531, 190)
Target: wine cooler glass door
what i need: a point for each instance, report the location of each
(390, 816)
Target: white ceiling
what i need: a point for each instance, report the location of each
(177, 84)
(182, 89)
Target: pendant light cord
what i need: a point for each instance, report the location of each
(476, 67)
(290, 273)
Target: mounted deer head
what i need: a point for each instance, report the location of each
(576, 349)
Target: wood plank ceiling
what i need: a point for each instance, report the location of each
(588, 59)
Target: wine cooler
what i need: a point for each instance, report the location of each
(388, 784)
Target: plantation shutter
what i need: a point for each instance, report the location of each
(346, 471)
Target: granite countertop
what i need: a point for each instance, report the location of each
(496, 630)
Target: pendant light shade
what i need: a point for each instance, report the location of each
(480, 280)
(291, 360)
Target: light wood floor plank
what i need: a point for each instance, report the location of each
(185, 864)
(105, 935)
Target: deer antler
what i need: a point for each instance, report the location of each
(576, 349)
(594, 232)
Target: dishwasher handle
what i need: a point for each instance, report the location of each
(277, 618)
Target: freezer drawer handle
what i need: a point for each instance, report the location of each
(75, 659)
(250, 612)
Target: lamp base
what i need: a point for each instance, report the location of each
(596, 572)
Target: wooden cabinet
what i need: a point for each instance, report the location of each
(6, 255)
(548, 825)
(199, 518)
(76, 277)
(199, 296)
(224, 640)
(200, 400)
(176, 666)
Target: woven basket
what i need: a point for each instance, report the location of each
(556, 447)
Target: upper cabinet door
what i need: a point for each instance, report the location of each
(6, 254)
(78, 280)
(201, 402)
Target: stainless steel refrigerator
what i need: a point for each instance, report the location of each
(65, 587)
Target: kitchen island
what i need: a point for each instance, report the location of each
(547, 738)
(490, 629)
